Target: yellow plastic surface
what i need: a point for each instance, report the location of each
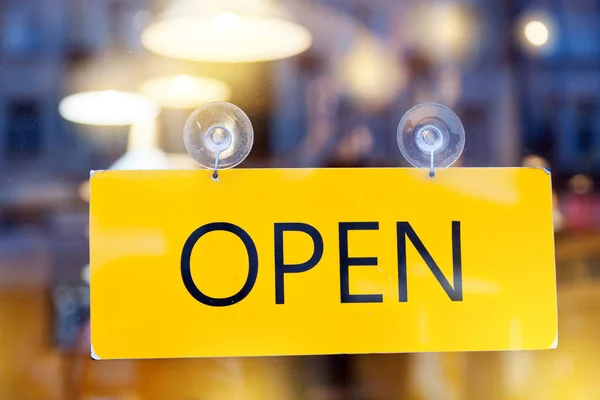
(503, 246)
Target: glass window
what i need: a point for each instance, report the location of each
(91, 85)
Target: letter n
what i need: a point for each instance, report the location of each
(404, 230)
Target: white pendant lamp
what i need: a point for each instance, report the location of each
(108, 107)
(226, 31)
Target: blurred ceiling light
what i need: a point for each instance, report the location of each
(447, 31)
(109, 107)
(581, 184)
(226, 31)
(185, 91)
(370, 74)
(533, 161)
(536, 33)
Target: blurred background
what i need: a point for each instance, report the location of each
(98, 84)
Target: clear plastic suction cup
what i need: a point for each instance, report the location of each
(218, 135)
(431, 136)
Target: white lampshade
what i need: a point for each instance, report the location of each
(109, 107)
(185, 91)
(226, 31)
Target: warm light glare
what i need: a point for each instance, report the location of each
(369, 74)
(448, 31)
(109, 107)
(533, 161)
(536, 32)
(581, 184)
(149, 158)
(226, 21)
(227, 37)
(182, 84)
(185, 91)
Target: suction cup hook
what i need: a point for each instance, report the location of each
(218, 136)
(431, 136)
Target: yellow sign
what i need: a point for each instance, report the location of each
(321, 261)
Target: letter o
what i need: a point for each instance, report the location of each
(186, 272)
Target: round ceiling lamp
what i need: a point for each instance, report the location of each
(185, 91)
(109, 107)
(226, 31)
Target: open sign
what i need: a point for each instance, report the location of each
(404, 230)
(325, 261)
